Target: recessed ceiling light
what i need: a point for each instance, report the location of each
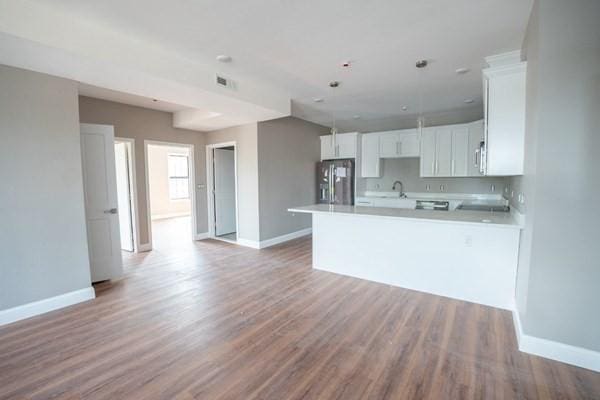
(318, 100)
(461, 71)
(356, 116)
(404, 108)
(223, 58)
(334, 84)
(346, 64)
(468, 101)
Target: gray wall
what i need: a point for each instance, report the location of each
(43, 242)
(246, 138)
(407, 171)
(559, 266)
(288, 152)
(145, 124)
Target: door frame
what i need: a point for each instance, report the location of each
(133, 194)
(210, 187)
(192, 185)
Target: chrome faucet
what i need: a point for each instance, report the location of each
(402, 195)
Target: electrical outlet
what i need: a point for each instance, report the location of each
(521, 198)
(427, 188)
(492, 188)
(442, 188)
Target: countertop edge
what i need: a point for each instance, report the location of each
(514, 225)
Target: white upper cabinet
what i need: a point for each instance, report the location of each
(409, 143)
(428, 154)
(460, 152)
(327, 148)
(475, 139)
(388, 144)
(443, 152)
(504, 110)
(344, 147)
(446, 151)
(370, 162)
(398, 144)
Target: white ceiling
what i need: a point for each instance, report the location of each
(127, 98)
(298, 46)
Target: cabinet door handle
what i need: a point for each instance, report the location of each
(337, 150)
(453, 167)
(397, 148)
(476, 157)
(433, 167)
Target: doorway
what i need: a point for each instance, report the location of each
(125, 172)
(170, 194)
(222, 193)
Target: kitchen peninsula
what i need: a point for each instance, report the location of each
(467, 255)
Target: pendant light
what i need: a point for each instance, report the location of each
(334, 131)
(421, 64)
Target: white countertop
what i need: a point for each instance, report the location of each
(495, 219)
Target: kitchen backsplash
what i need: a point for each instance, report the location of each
(407, 171)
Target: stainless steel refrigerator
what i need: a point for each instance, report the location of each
(335, 182)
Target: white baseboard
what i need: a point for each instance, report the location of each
(43, 306)
(248, 243)
(273, 241)
(201, 236)
(143, 247)
(284, 238)
(557, 351)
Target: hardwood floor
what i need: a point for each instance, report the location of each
(216, 321)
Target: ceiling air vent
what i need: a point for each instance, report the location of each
(224, 82)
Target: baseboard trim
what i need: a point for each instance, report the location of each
(248, 243)
(201, 236)
(46, 305)
(144, 247)
(557, 351)
(284, 238)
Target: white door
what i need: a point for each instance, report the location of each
(124, 195)
(224, 174)
(100, 191)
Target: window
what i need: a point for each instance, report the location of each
(179, 186)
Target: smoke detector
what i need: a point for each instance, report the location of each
(224, 58)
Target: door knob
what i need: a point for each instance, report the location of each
(111, 211)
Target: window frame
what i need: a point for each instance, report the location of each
(176, 178)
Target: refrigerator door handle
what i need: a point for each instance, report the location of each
(332, 183)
